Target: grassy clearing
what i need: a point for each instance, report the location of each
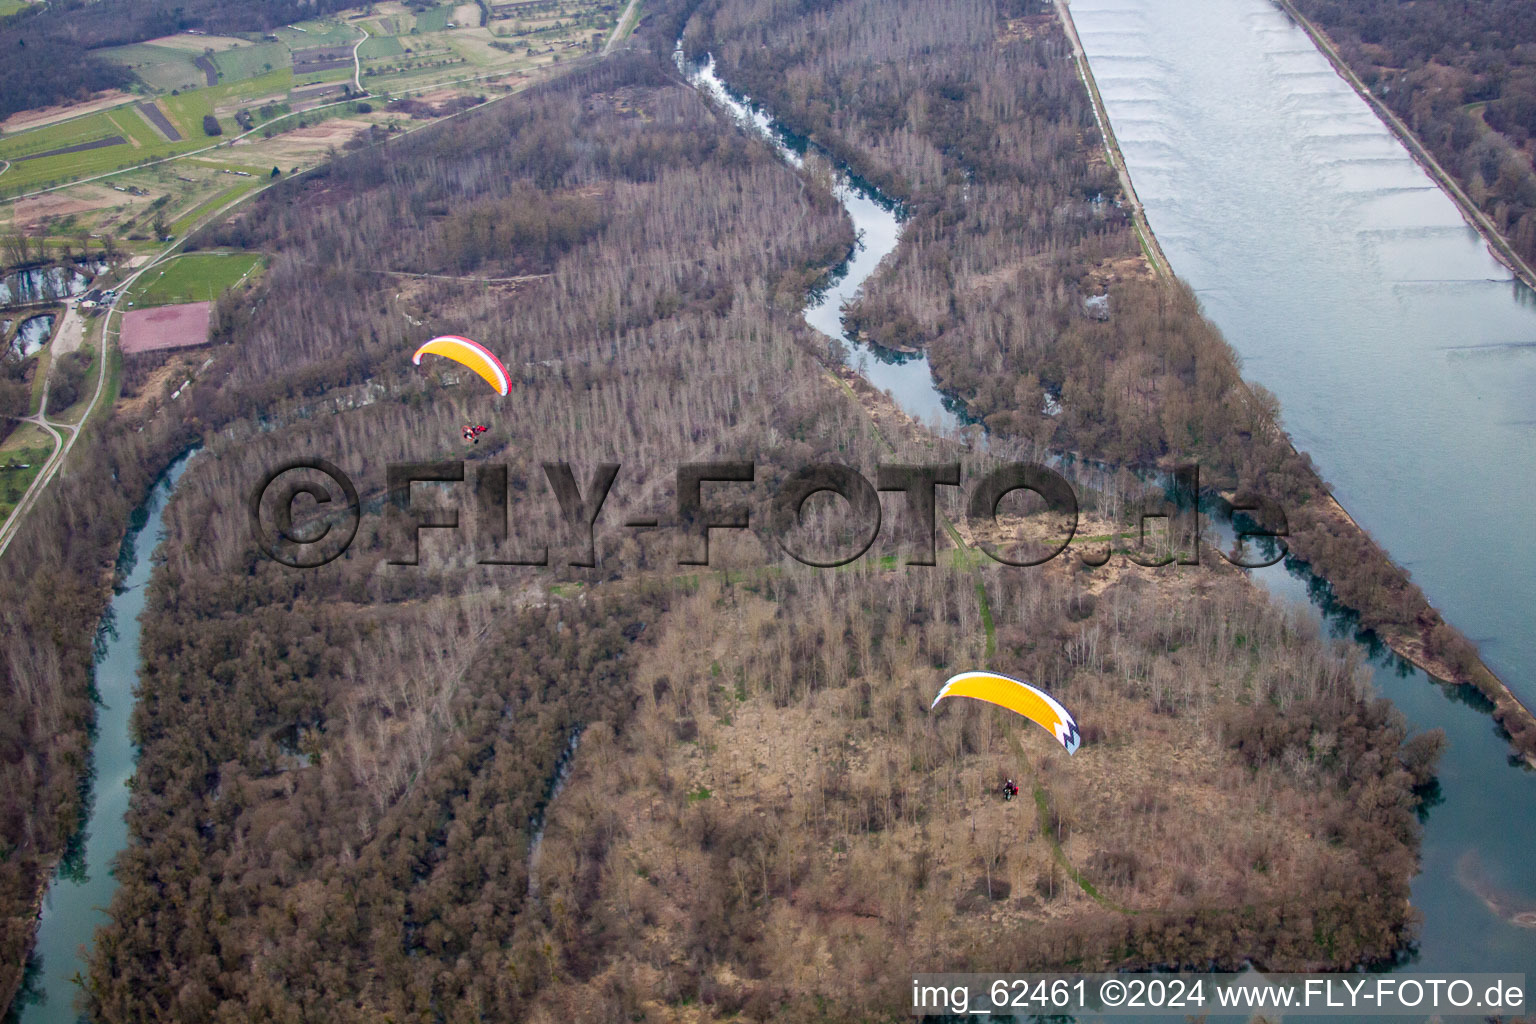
(434, 19)
(39, 379)
(196, 277)
(56, 136)
(187, 110)
(250, 61)
(142, 143)
(183, 223)
(380, 46)
(9, 7)
(316, 33)
(320, 77)
(15, 481)
(159, 67)
(134, 126)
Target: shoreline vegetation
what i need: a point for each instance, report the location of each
(338, 768)
(1323, 534)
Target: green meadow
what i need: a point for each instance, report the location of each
(162, 68)
(196, 277)
(250, 61)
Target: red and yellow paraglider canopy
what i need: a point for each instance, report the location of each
(468, 353)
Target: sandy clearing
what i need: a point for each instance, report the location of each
(306, 142)
(62, 204)
(48, 115)
(466, 16)
(198, 43)
(437, 95)
(70, 333)
(163, 327)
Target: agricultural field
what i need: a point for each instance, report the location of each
(250, 60)
(105, 174)
(161, 68)
(196, 277)
(93, 144)
(316, 33)
(435, 19)
(378, 46)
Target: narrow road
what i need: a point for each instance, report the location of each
(357, 62)
(623, 28)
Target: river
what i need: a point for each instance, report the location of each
(1399, 348)
(83, 885)
(907, 377)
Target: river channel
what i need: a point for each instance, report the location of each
(81, 889)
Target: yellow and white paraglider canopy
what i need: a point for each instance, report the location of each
(468, 353)
(1020, 698)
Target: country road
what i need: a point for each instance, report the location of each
(357, 62)
(624, 27)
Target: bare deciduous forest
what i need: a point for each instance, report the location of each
(343, 770)
(994, 150)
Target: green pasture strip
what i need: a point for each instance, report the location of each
(244, 62)
(380, 46)
(14, 482)
(195, 277)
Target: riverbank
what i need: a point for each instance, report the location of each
(1418, 649)
(1498, 246)
(1150, 250)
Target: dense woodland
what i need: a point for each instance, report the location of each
(1463, 77)
(343, 770)
(994, 151)
(785, 830)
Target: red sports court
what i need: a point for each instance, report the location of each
(179, 326)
